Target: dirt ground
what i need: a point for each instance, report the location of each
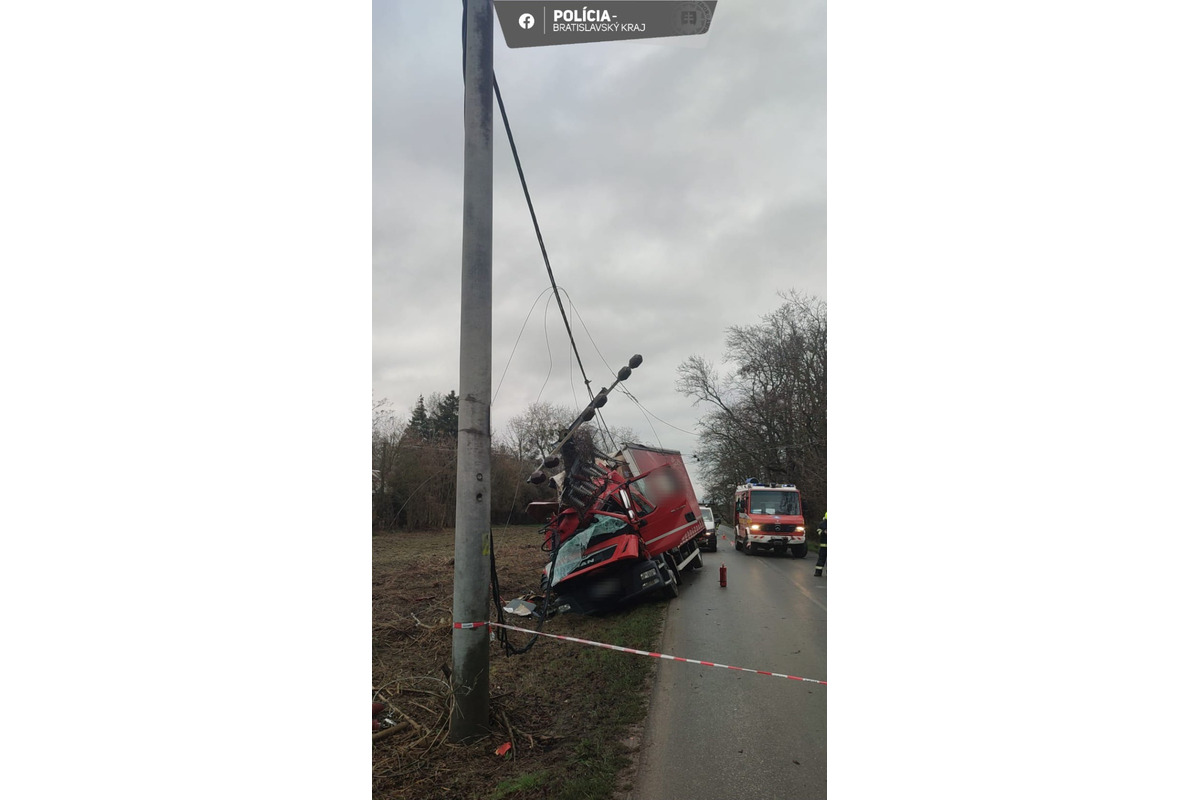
(570, 711)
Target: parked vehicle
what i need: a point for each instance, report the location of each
(708, 539)
(768, 517)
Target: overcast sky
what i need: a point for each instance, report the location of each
(679, 185)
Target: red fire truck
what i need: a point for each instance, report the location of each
(767, 516)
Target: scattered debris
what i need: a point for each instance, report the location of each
(526, 606)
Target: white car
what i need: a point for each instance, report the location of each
(708, 539)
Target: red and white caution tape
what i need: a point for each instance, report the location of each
(470, 625)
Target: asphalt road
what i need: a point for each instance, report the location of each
(712, 733)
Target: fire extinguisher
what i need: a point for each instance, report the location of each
(722, 576)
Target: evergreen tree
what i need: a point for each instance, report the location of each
(444, 420)
(419, 423)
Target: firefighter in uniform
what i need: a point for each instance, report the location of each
(823, 534)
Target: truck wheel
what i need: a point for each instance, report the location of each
(737, 543)
(800, 550)
(672, 582)
(673, 565)
(697, 562)
(751, 549)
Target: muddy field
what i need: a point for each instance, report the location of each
(569, 711)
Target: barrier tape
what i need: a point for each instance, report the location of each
(618, 648)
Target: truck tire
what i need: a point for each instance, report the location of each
(737, 543)
(697, 562)
(672, 582)
(800, 550)
(673, 565)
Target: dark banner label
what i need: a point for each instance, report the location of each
(537, 24)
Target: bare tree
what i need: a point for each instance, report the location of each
(387, 430)
(413, 469)
(767, 417)
(534, 432)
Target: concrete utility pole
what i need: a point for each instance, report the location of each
(472, 515)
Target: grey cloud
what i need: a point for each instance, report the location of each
(679, 189)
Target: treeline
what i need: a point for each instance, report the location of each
(414, 462)
(766, 418)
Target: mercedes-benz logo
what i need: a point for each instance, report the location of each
(525, 21)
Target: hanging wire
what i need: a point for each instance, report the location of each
(538, 230)
(651, 413)
(571, 375)
(587, 384)
(575, 310)
(621, 386)
(514, 347)
(549, 350)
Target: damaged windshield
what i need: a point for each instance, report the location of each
(570, 553)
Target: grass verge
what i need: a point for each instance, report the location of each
(566, 708)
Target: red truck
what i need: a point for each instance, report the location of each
(625, 528)
(625, 523)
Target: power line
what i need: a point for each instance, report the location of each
(644, 410)
(517, 342)
(571, 377)
(549, 351)
(588, 332)
(660, 419)
(542, 244)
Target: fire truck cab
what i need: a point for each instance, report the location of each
(767, 516)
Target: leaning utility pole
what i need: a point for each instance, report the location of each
(472, 512)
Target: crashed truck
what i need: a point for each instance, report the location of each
(625, 524)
